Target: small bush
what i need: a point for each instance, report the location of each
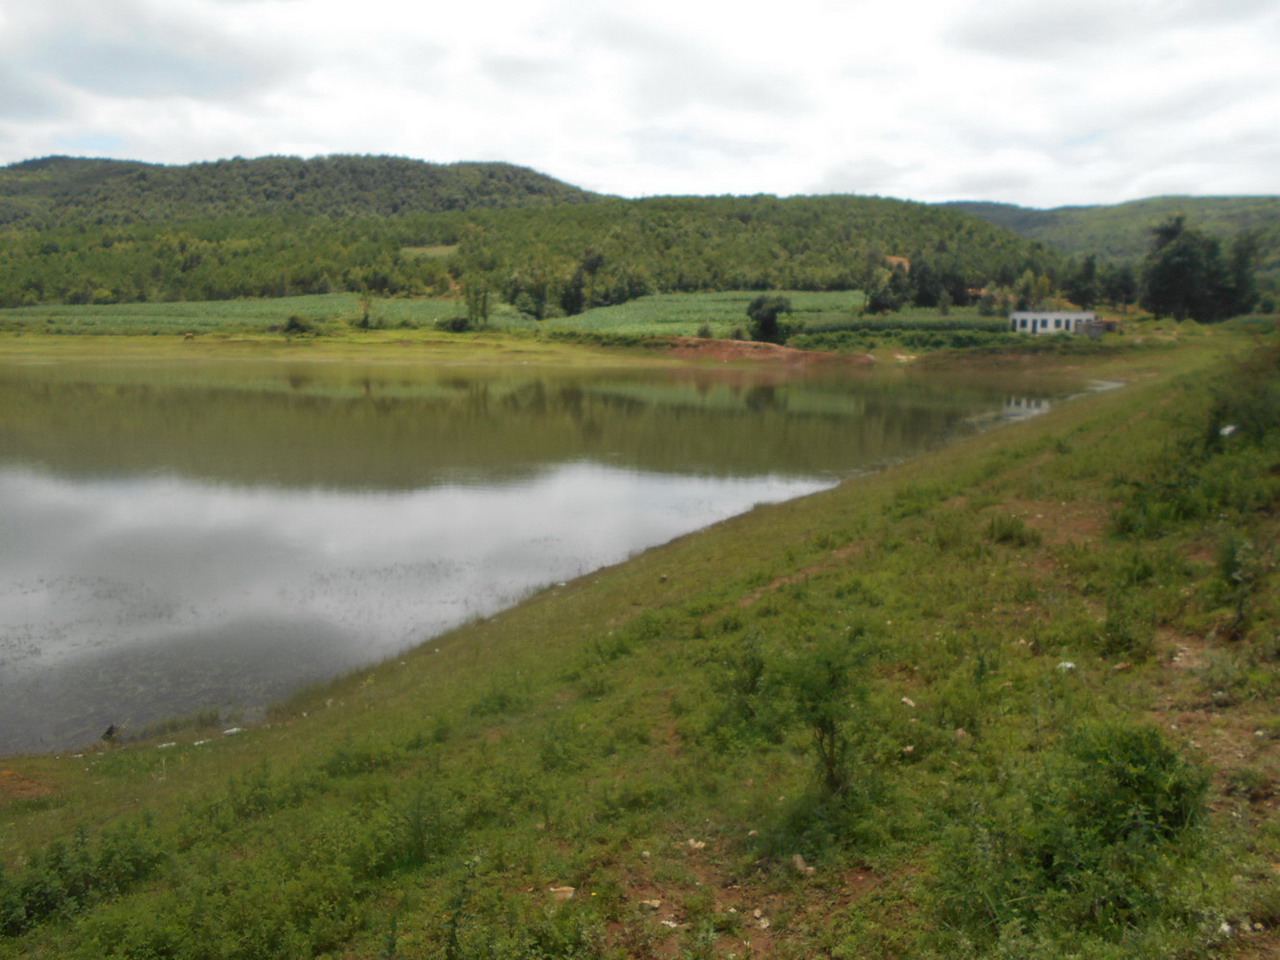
(1128, 630)
(1011, 530)
(1241, 573)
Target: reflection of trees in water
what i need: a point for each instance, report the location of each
(411, 433)
(765, 397)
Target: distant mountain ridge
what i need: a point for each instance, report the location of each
(1123, 231)
(51, 191)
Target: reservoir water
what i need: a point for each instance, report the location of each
(178, 537)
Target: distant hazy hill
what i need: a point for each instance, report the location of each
(1123, 231)
(59, 190)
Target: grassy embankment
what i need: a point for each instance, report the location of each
(1013, 699)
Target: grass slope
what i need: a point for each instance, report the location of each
(1014, 699)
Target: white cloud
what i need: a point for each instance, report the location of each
(1007, 99)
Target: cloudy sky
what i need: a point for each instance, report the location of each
(1026, 101)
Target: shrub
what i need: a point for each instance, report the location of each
(66, 878)
(1011, 530)
(1087, 845)
(1128, 630)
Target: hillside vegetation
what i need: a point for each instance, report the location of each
(1015, 699)
(68, 191)
(1122, 231)
(104, 232)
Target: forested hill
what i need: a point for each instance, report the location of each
(1123, 231)
(104, 231)
(57, 191)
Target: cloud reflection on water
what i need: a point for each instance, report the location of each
(104, 581)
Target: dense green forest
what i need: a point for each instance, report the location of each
(78, 231)
(1123, 232)
(83, 231)
(67, 191)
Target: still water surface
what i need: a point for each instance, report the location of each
(178, 537)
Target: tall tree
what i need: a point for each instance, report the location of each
(1082, 286)
(1120, 285)
(1241, 265)
(1185, 275)
(764, 312)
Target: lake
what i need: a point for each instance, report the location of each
(189, 536)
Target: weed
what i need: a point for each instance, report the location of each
(1128, 630)
(1011, 531)
(502, 697)
(1241, 572)
(1250, 784)
(349, 760)
(1081, 845)
(63, 878)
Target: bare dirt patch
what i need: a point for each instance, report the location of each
(1076, 521)
(18, 787)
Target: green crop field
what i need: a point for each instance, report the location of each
(684, 314)
(325, 313)
(679, 314)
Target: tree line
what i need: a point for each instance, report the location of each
(547, 260)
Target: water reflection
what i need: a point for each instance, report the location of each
(176, 538)
(127, 600)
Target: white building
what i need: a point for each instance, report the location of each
(1054, 321)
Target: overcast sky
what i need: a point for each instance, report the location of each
(1025, 101)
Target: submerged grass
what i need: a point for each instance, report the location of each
(956, 709)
